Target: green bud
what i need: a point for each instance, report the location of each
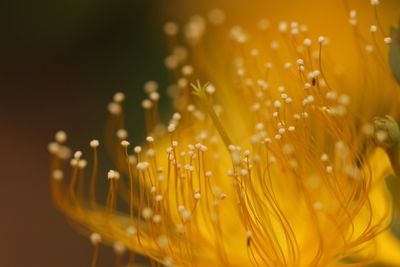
(394, 53)
(387, 133)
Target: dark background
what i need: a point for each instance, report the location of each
(60, 63)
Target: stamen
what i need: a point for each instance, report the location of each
(300, 166)
(95, 238)
(60, 137)
(119, 249)
(200, 92)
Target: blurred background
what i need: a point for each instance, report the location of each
(60, 63)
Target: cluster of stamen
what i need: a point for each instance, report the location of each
(286, 165)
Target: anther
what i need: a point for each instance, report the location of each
(119, 97)
(369, 48)
(147, 104)
(132, 160)
(114, 108)
(249, 235)
(60, 137)
(171, 28)
(176, 116)
(374, 2)
(307, 42)
(77, 155)
(95, 238)
(300, 62)
(74, 162)
(53, 148)
(274, 45)
(387, 40)
(94, 143)
(277, 104)
(113, 175)
(131, 230)
(171, 128)
(216, 16)
(137, 149)
(353, 17)
(168, 261)
(58, 175)
(119, 248)
(142, 166)
(150, 87)
(157, 218)
(181, 208)
(125, 143)
(329, 169)
(210, 89)
(147, 213)
(122, 134)
(197, 196)
(324, 157)
(368, 129)
(154, 96)
(151, 153)
(283, 26)
(317, 206)
(82, 164)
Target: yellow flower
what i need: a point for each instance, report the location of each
(270, 158)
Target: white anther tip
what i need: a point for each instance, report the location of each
(119, 97)
(60, 137)
(95, 238)
(125, 143)
(94, 143)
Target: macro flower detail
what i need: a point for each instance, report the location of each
(276, 153)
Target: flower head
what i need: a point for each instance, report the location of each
(270, 158)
